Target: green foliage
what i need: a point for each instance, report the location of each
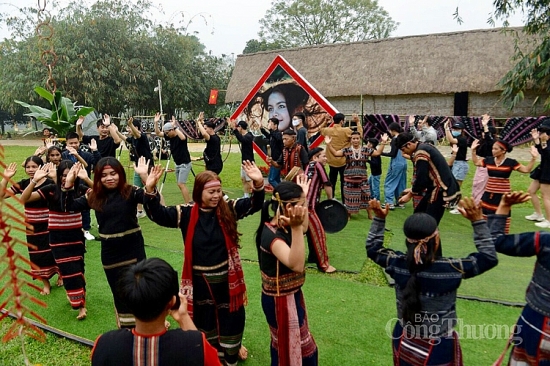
(110, 56)
(532, 69)
(254, 45)
(313, 22)
(61, 117)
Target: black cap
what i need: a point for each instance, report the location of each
(457, 125)
(314, 152)
(242, 124)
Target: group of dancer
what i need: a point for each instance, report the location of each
(212, 280)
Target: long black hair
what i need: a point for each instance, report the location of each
(284, 192)
(417, 227)
(64, 164)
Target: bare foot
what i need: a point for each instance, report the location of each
(47, 287)
(243, 353)
(330, 269)
(82, 314)
(59, 282)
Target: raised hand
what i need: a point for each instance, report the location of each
(485, 119)
(10, 170)
(93, 144)
(253, 172)
(454, 148)
(470, 209)
(153, 178)
(411, 120)
(142, 166)
(48, 143)
(328, 140)
(379, 211)
(72, 175)
(52, 171)
(106, 119)
(303, 182)
(72, 150)
(474, 146)
(296, 215)
(534, 152)
(513, 198)
(535, 134)
(82, 173)
(42, 172)
(157, 117)
(40, 150)
(80, 121)
(384, 138)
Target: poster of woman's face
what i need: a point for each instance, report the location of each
(280, 93)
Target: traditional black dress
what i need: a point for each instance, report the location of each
(37, 214)
(67, 244)
(212, 269)
(122, 244)
(284, 306)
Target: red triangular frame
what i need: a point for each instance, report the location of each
(300, 80)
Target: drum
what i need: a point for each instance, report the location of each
(333, 215)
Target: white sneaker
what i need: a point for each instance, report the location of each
(454, 211)
(535, 217)
(88, 236)
(545, 224)
(140, 214)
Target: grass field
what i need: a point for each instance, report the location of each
(349, 312)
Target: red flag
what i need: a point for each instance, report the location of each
(213, 96)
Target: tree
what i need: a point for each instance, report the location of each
(254, 45)
(532, 69)
(110, 56)
(297, 23)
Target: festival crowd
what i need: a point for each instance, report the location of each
(208, 299)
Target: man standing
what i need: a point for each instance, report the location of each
(424, 132)
(74, 154)
(316, 237)
(276, 144)
(341, 137)
(294, 155)
(212, 152)
(299, 125)
(107, 141)
(246, 140)
(432, 177)
(179, 151)
(139, 146)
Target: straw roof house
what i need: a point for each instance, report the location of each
(438, 74)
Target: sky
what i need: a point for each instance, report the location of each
(224, 26)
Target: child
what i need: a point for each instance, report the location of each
(375, 162)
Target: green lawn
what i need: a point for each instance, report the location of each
(349, 312)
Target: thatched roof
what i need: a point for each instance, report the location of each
(472, 61)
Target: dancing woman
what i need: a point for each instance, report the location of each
(356, 179)
(533, 326)
(281, 253)
(115, 203)
(499, 169)
(212, 276)
(426, 284)
(66, 235)
(36, 214)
